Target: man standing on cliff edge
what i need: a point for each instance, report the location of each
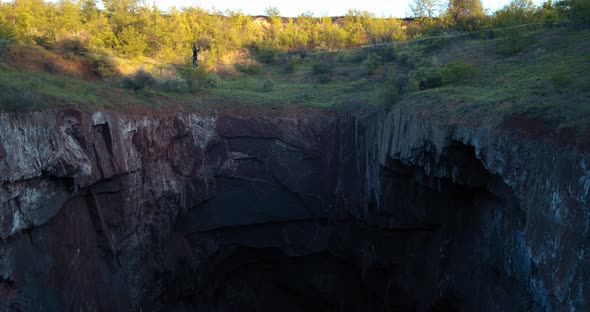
(195, 50)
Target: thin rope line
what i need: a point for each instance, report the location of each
(164, 65)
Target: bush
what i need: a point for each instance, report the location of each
(174, 84)
(213, 80)
(141, 81)
(291, 64)
(104, 68)
(433, 44)
(4, 47)
(426, 75)
(268, 85)
(13, 98)
(6, 30)
(394, 86)
(71, 44)
(6, 36)
(425, 78)
(515, 41)
(50, 66)
(323, 69)
(324, 66)
(411, 56)
(133, 42)
(401, 83)
(388, 53)
(323, 78)
(271, 55)
(249, 67)
(577, 11)
(458, 72)
(371, 63)
(356, 57)
(199, 78)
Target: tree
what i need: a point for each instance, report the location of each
(6, 35)
(121, 13)
(547, 13)
(355, 23)
(467, 15)
(577, 11)
(274, 15)
(30, 20)
(133, 43)
(423, 8)
(517, 12)
(88, 10)
(68, 16)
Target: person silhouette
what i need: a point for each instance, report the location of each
(195, 51)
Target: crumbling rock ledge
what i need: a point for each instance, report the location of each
(155, 212)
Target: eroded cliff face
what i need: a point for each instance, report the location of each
(311, 211)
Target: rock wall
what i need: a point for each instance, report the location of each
(539, 240)
(151, 210)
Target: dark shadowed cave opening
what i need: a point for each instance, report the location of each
(267, 242)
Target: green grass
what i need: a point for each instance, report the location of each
(47, 87)
(547, 80)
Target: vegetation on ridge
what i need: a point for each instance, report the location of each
(462, 63)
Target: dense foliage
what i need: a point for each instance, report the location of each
(131, 29)
(134, 29)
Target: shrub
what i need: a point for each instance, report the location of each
(517, 12)
(199, 78)
(401, 83)
(6, 36)
(433, 44)
(323, 78)
(393, 87)
(324, 66)
(141, 81)
(389, 53)
(411, 56)
(426, 75)
(458, 72)
(357, 57)
(371, 63)
(174, 84)
(577, 11)
(271, 55)
(323, 69)
(515, 41)
(6, 30)
(213, 80)
(4, 47)
(18, 98)
(426, 78)
(268, 85)
(50, 66)
(291, 64)
(133, 42)
(249, 67)
(70, 44)
(104, 68)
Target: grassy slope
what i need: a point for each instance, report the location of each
(548, 81)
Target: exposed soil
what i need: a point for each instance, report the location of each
(55, 63)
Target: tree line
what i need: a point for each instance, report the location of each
(133, 29)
